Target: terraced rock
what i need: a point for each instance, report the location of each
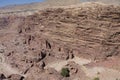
(88, 30)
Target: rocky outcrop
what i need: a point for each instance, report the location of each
(2, 77)
(53, 34)
(15, 77)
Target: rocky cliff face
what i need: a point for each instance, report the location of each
(30, 43)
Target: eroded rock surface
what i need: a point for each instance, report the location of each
(32, 42)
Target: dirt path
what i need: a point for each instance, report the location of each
(101, 72)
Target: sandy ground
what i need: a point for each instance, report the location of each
(58, 65)
(102, 72)
(6, 68)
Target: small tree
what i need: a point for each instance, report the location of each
(96, 78)
(65, 72)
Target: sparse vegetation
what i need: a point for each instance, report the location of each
(65, 72)
(96, 78)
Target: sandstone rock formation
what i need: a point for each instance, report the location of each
(30, 42)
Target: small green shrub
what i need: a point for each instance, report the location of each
(96, 78)
(65, 72)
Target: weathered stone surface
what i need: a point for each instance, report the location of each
(72, 67)
(15, 77)
(41, 64)
(2, 77)
(32, 42)
(51, 71)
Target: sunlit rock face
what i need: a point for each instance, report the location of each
(114, 2)
(37, 46)
(29, 9)
(62, 2)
